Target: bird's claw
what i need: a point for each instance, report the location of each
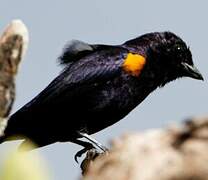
(91, 155)
(79, 154)
(103, 148)
(82, 151)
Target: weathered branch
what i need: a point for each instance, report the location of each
(177, 153)
(13, 45)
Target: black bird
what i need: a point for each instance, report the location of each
(100, 85)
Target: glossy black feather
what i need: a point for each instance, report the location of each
(94, 91)
(69, 90)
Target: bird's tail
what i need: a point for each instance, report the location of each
(2, 138)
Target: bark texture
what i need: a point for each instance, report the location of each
(13, 45)
(176, 153)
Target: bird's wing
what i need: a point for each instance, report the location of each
(82, 76)
(76, 50)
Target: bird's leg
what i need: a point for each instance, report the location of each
(96, 143)
(87, 146)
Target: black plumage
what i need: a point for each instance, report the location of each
(95, 91)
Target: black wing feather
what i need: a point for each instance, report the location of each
(76, 80)
(98, 67)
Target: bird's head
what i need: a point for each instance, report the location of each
(167, 57)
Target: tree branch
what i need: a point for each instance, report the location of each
(13, 45)
(176, 153)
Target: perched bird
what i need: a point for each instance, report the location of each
(100, 85)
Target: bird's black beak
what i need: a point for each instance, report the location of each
(192, 71)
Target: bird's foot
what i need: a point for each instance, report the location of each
(91, 155)
(82, 151)
(95, 142)
(88, 146)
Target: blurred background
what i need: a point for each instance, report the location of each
(52, 24)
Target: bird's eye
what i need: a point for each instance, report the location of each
(179, 49)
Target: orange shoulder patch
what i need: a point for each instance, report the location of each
(133, 64)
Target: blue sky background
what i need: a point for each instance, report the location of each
(52, 24)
